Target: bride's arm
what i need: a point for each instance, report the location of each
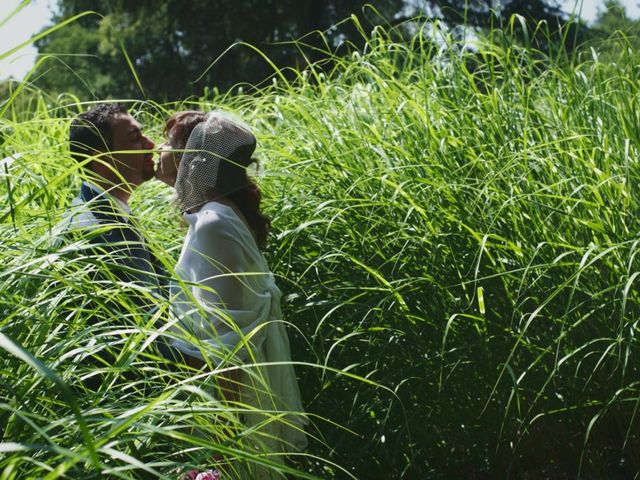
(230, 311)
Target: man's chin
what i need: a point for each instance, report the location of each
(148, 170)
(148, 175)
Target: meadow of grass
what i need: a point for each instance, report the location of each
(456, 237)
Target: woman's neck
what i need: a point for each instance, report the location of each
(231, 204)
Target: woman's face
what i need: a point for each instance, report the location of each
(167, 169)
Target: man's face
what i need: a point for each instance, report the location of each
(132, 157)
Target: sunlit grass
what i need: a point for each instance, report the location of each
(457, 227)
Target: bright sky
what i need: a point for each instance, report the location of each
(37, 13)
(19, 29)
(590, 8)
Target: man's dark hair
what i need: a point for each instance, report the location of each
(91, 132)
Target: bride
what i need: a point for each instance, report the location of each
(227, 301)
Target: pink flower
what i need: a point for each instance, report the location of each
(209, 475)
(206, 475)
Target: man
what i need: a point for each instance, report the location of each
(117, 157)
(103, 249)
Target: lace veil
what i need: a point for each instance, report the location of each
(218, 139)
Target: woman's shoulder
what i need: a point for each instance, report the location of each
(215, 218)
(213, 211)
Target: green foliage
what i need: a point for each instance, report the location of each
(487, 14)
(614, 33)
(456, 236)
(173, 49)
(614, 18)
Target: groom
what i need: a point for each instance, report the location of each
(117, 157)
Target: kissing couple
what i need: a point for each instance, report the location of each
(223, 300)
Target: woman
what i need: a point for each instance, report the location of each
(228, 304)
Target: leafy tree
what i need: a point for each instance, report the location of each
(614, 18)
(613, 33)
(177, 48)
(557, 29)
(483, 13)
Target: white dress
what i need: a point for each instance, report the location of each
(229, 306)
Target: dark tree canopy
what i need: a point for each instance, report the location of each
(483, 12)
(179, 48)
(173, 43)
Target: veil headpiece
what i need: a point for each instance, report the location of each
(218, 139)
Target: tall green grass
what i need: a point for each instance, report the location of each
(456, 235)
